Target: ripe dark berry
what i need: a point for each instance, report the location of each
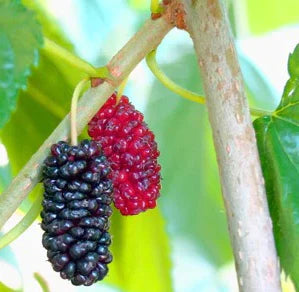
(132, 152)
(76, 211)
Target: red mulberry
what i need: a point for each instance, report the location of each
(132, 152)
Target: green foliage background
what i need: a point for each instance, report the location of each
(35, 91)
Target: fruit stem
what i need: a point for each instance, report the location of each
(62, 53)
(26, 221)
(78, 89)
(42, 282)
(67, 56)
(185, 93)
(121, 89)
(167, 82)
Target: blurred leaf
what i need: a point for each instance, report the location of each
(50, 28)
(140, 248)
(20, 38)
(4, 288)
(190, 198)
(278, 142)
(140, 4)
(40, 109)
(43, 104)
(258, 89)
(268, 15)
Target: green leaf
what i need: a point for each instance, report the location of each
(267, 15)
(140, 250)
(278, 143)
(40, 109)
(293, 63)
(20, 38)
(190, 197)
(43, 104)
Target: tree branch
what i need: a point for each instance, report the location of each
(234, 139)
(144, 41)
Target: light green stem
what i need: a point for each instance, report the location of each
(76, 95)
(67, 56)
(42, 282)
(27, 220)
(121, 89)
(167, 82)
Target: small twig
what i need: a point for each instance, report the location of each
(144, 41)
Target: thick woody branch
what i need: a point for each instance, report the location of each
(234, 139)
(144, 41)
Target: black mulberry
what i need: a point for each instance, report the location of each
(76, 211)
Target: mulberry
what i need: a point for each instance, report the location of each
(132, 152)
(76, 211)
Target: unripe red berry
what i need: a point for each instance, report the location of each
(132, 152)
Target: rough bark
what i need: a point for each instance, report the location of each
(241, 177)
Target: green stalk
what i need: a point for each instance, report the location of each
(121, 89)
(168, 83)
(185, 93)
(27, 220)
(70, 58)
(42, 282)
(65, 55)
(76, 95)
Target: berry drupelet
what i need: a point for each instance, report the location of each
(76, 211)
(132, 152)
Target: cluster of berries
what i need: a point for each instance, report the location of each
(119, 165)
